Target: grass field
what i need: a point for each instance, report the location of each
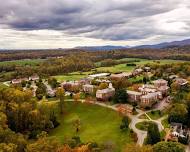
(136, 79)
(71, 76)
(112, 69)
(31, 62)
(124, 68)
(165, 123)
(155, 114)
(3, 86)
(98, 124)
(143, 125)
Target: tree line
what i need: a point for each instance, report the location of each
(172, 53)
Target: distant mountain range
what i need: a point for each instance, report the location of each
(154, 46)
(104, 48)
(166, 44)
(115, 47)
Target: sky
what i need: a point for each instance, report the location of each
(29, 24)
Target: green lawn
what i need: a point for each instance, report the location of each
(136, 79)
(31, 62)
(124, 68)
(112, 69)
(143, 116)
(116, 68)
(163, 134)
(155, 114)
(98, 124)
(143, 125)
(165, 123)
(71, 76)
(3, 86)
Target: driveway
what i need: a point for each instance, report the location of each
(142, 134)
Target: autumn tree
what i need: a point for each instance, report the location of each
(178, 113)
(76, 97)
(169, 147)
(53, 82)
(103, 86)
(121, 83)
(43, 144)
(77, 124)
(10, 147)
(60, 93)
(137, 148)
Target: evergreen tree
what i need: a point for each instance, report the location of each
(125, 123)
(153, 135)
(120, 96)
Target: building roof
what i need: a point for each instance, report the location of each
(181, 81)
(147, 88)
(105, 90)
(19, 80)
(150, 90)
(71, 82)
(34, 77)
(163, 88)
(160, 81)
(16, 81)
(147, 68)
(138, 70)
(173, 76)
(134, 92)
(151, 95)
(88, 85)
(121, 75)
(99, 75)
(99, 80)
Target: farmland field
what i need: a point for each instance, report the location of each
(113, 69)
(31, 62)
(124, 68)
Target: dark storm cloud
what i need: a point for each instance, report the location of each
(101, 19)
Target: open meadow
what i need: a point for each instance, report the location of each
(97, 124)
(125, 68)
(31, 62)
(113, 69)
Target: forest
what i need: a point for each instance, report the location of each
(67, 61)
(165, 53)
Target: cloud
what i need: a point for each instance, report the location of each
(105, 20)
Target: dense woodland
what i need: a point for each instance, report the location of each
(63, 62)
(166, 53)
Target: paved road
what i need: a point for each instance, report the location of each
(135, 119)
(142, 134)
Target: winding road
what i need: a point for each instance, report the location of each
(141, 135)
